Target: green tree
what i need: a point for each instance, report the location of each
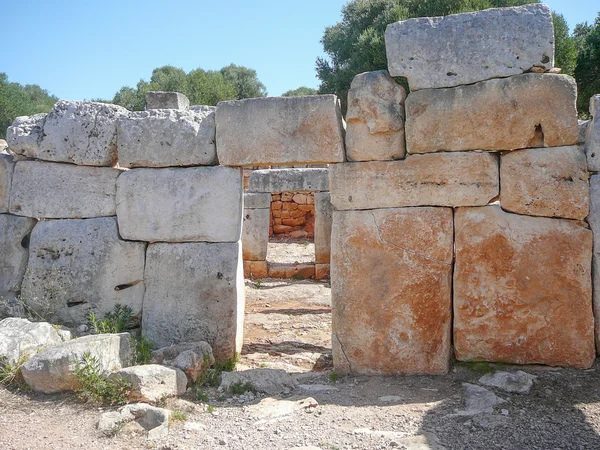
(587, 72)
(303, 90)
(18, 100)
(565, 45)
(209, 87)
(245, 80)
(356, 44)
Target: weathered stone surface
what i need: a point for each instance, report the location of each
(7, 166)
(594, 221)
(551, 182)
(323, 221)
(14, 232)
(196, 204)
(255, 270)
(322, 271)
(166, 100)
(289, 180)
(83, 133)
(592, 138)
(434, 52)
(254, 200)
(63, 191)
(167, 137)
(167, 355)
(583, 128)
(25, 134)
(478, 400)
(136, 416)
(268, 381)
(20, 339)
(195, 292)
(512, 382)
(78, 267)
(296, 271)
(53, 370)
(375, 118)
(3, 146)
(391, 275)
(255, 234)
(280, 130)
(529, 110)
(522, 289)
(443, 179)
(151, 382)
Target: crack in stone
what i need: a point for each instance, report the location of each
(412, 252)
(334, 336)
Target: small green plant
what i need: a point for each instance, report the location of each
(201, 396)
(178, 416)
(333, 376)
(239, 388)
(95, 387)
(258, 284)
(161, 402)
(119, 320)
(143, 350)
(298, 277)
(211, 409)
(478, 366)
(10, 373)
(212, 375)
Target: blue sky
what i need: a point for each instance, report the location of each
(90, 49)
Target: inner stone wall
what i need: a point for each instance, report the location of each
(463, 221)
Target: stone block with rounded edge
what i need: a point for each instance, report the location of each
(375, 118)
(289, 180)
(53, 370)
(280, 131)
(7, 166)
(594, 221)
(551, 182)
(323, 221)
(180, 205)
(63, 191)
(592, 138)
(255, 200)
(25, 133)
(436, 52)
(255, 233)
(528, 110)
(255, 270)
(441, 179)
(195, 292)
(522, 289)
(14, 243)
(83, 133)
(391, 288)
(167, 137)
(322, 271)
(166, 100)
(152, 382)
(78, 267)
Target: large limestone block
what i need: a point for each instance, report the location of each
(195, 292)
(280, 131)
(53, 370)
(180, 205)
(434, 52)
(20, 339)
(255, 200)
(7, 166)
(529, 110)
(375, 118)
(78, 267)
(323, 224)
(167, 137)
(83, 133)
(255, 234)
(522, 289)
(166, 100)
(289, 180)
(152, 382)
(14, 242)
(25, 134)
(443, 179)
(592, 138)
(551, 182)
(63, 191)
(594, 221)
(391, 275)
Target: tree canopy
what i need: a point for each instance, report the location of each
(302, 90)
(587, 71)
(356, 44)
(202, 87)
(18, 100)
